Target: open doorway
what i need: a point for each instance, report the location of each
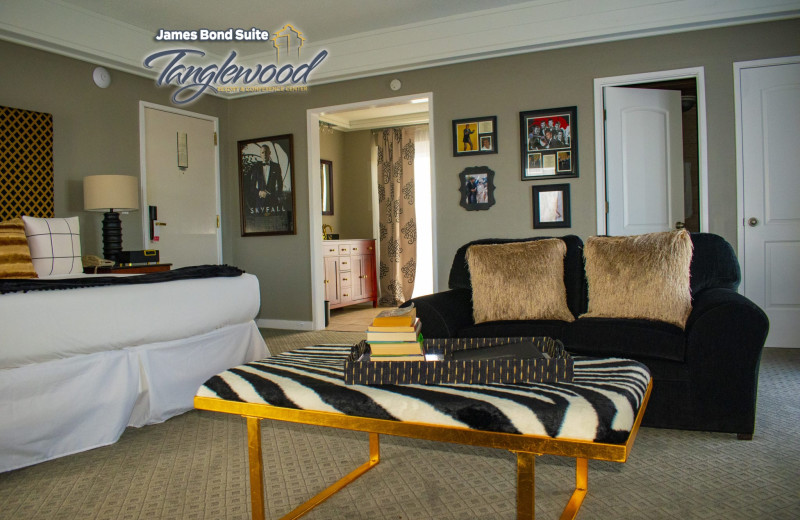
(688, 167)
(355, 122)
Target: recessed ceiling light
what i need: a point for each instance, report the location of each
(420, 100)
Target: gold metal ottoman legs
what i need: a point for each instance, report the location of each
(526, 487)
(526, 479)
(257, 474)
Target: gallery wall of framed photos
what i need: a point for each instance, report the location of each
(548, 140)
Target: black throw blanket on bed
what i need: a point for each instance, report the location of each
(183, 273)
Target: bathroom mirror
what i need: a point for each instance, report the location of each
(326, 174)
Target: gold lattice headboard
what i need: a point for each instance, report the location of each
(26, 163)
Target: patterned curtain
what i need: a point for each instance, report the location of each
(397, 222)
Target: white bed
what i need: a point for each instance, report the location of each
(77, 366)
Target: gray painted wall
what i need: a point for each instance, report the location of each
(352, 182)
(97, 132)
(504, 87)
(357, 185)
(331, 148)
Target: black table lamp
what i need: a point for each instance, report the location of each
(111, 194)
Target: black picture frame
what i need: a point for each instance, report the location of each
(477, 188)
(474, 136)
(326, 178)
(551, 207)
(550, 157)
(267, 196)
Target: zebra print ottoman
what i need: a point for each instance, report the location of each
(595, 416)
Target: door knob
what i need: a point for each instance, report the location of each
(752, 222)
(680, 225)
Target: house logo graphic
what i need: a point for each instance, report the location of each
(288, 74)
(287, 39)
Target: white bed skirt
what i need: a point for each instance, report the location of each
(65, 406)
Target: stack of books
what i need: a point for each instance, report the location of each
(395, 336)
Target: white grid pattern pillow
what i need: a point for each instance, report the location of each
(55, 245)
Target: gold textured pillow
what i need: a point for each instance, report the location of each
(644, 276)
(519, 281)
(15, 257)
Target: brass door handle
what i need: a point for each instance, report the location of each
(160, 223)
(752, 222)
(680, 225)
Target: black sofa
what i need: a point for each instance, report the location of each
(704, 377)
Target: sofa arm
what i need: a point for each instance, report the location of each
(444, 314)
(725, 334)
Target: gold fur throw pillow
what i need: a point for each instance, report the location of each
(519, 281)
(15, 257)
(644, 276)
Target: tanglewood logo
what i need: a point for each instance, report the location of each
(193, 79)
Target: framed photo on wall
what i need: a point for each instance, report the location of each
(475, 136)
(549, 143)
(266, 186)
(551, 206)
(477, 188)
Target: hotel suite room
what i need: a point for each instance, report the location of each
(97, 131)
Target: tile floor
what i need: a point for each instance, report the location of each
(353, 318)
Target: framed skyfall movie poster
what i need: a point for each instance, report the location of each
(475, 136)
(549, 143)
(266, 186)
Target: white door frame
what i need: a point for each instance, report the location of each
(143, 169)
(737, 99)
(315, 194)
(698, 73)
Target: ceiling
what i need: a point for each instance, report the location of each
(341, 17)
(362, 37)
(410, 112)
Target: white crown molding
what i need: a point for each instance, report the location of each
(68, 30)
(75, 32)
(345, 125)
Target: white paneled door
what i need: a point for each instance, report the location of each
(181, 177)
(644, 165)
(769, 130)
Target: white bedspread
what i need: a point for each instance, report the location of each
(39, 326)
(78, 366)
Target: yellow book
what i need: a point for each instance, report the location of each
(414, 327)
(395, 349)
(410, 357)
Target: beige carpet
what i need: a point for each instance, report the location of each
(353, 318)
(194, 466)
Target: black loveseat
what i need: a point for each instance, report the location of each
(704, 377)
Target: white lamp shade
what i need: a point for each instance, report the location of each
(106, 192)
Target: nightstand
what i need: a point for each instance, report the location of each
(129, 269)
